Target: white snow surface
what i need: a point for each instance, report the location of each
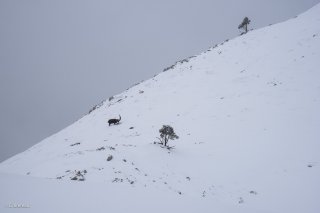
(247, 114)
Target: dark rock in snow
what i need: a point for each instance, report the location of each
(109, 158)
(74, 178)
(253, 192)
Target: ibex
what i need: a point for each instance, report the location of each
(114, 120)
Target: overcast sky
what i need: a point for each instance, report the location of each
(59, 58)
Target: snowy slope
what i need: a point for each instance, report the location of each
(246, 111)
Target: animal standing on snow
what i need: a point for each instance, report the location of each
(114, 121)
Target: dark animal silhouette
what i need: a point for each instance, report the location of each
(114, 120)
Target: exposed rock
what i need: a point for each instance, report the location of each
(110, 157)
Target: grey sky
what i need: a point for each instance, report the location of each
(58, 58)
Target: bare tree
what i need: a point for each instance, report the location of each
(244, 25)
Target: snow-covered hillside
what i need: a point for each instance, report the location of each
(247, 114)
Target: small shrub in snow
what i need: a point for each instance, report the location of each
(111, 148)
(101, 148)
(241, 200)
(79, 175)
(96, 107)
(167, 133)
